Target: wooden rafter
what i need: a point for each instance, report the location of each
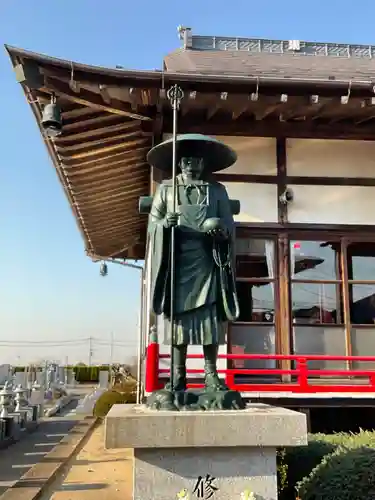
(106, 149)
(117, 225)
(275, 128)
(77, 113)
(97, 142)
(90, 99)
(88, 194)
(118, 212)
(109, 181)
(91, 122)
(98, 174)
(106, 160)
(66, 138)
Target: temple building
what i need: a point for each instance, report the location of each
(301, 117)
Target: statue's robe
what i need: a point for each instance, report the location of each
(205, 293)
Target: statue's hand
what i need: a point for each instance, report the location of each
(217, 234)
(171, 219)
(214, 227)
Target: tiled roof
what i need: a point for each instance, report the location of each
(272, 58)
(270, 65)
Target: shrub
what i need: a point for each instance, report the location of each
(345, 474)
(110, 398)
(295, 464)
(127, 386)
(88, 373)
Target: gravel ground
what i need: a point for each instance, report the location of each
(95, 473)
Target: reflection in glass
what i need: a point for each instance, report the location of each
(316, 303)
(362, 304)
(325, 340)
(314, 260)
(256, 301)
(363, 344)
(361, 261)
(255, 258)
(253, 339)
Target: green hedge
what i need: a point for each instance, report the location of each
(346, 474)
(120, 394)
(302, 469)
(88, 373)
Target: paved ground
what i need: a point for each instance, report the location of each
(95, 473)
(18, 458)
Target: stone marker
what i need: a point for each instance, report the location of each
(103, 379)
(20, 378)
(61, 374)
(173, 449)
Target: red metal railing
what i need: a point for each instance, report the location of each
(302, 373)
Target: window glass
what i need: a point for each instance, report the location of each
(314, 260)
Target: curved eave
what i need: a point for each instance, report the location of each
(110, 117)
(100, 159)
(195, 79)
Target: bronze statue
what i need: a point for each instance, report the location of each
(205, 296)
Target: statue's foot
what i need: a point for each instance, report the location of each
(213, 383)
(179, 383)
(162, 400)
(221, 400)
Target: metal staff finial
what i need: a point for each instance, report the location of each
(175, 95)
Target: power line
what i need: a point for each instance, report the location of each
(65, 342)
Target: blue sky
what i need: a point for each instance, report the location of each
(49, 289)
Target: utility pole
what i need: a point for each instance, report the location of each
(90, 350)
(110, 356)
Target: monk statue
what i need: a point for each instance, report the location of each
(205, 296)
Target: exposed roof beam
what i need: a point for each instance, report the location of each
(78, 112)
(124, 156)
(83, 194)
(105, 94)
(97, 142)
(90, 99)
(106, 149)
(110, 180)
(83, 124)
(275, 128)
(62, 139)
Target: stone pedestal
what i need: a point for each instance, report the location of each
(176, 453)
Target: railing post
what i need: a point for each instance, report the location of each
(152, 362)
(229, 380)
(302, 377)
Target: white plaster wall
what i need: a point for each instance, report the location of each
(333, 205)
(330, 158)
(256, 155)
(258, 201)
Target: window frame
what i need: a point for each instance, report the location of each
(283, 319)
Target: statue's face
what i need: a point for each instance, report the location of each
(192, 167)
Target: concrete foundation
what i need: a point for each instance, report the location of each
(192, 453)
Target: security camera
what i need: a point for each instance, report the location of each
(287, 196)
